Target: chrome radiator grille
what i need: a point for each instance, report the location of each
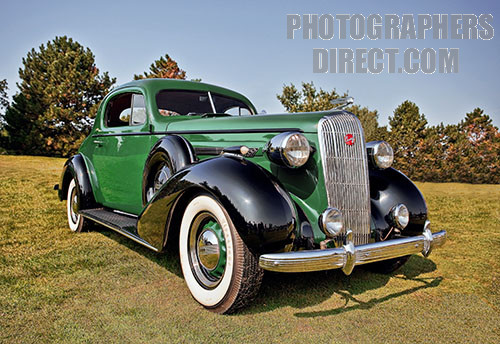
(345, 168)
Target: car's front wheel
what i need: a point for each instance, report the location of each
(219, 270)
(76, 222)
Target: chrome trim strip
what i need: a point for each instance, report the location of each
(135, 133)
(348, 256)
(228, 131)
(119, 212)
(209, 131)
(122, 232)
(345, 170)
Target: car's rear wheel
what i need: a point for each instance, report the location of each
(76, 222)
(219, 270)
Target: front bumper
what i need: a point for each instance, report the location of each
(348, 256)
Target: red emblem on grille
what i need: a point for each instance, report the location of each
(349, 139)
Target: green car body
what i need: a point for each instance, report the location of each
(120, 167)
(143, 175)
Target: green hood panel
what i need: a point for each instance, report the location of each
(305, 185)
(305, 121)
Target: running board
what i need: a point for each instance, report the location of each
(119, 222)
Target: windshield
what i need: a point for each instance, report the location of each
(181, 103)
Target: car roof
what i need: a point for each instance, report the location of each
(155, 85)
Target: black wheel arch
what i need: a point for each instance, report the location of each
(389, 187)
(260, 208)
(176, 150)
(75, 168)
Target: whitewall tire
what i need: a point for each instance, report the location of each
(219, 270)
(76, 222)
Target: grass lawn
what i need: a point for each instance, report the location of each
(57, 286)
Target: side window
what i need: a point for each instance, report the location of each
(119, 110)
(138, 110)
(238, 111)
(231, 106)
(126, 109)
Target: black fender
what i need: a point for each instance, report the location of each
(389, 187)
(260, 209)
(75, 167)
(177, 152)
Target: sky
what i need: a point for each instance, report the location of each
(243, 46)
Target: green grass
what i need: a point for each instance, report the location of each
(57, 286)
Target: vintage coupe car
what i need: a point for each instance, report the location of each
(179, 164)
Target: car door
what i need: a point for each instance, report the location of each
(120, 152)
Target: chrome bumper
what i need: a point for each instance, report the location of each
(348, 256)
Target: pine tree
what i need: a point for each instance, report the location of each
(4, 103)
(310, 99)
(407, 133)
(369, 121)
(4, 100)
(60, 91)
(166, 68)
(433, 153)
(22, 136)
(478, 146)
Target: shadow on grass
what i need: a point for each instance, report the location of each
(434, 282)
(302, 290)
(168, 260)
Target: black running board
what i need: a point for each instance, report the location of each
(119, 222)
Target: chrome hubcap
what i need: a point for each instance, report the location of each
(207, 250)
(74, 205)
(161, 177)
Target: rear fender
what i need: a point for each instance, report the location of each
(75, 168)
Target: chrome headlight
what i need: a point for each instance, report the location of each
(400, 216)
(289, 149)
(380, 153)
(331, 222)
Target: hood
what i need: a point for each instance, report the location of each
(305, 121)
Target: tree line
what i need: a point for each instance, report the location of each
(467, 152)
(61, 88)
(58, 96)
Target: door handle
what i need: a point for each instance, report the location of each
(99, 143)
